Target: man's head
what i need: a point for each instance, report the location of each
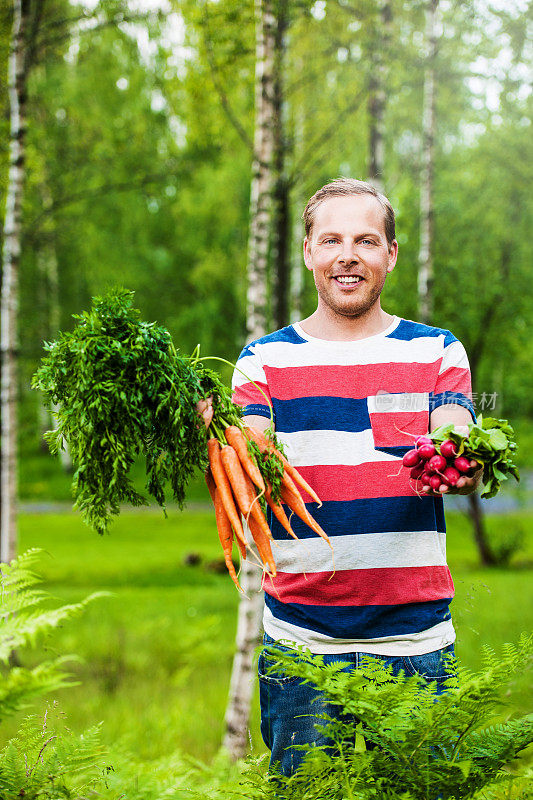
(350, 247)
(345, 187)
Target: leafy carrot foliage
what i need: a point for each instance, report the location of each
(120, 389)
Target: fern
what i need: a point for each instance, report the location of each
(398, 740)
(46, 760)
(22, 622)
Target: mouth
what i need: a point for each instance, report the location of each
(348, 280)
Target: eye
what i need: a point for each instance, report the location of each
(331, 240)
(367, 241)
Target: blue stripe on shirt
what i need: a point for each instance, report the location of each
(408, 330)
(321, 413)
(362, 622)
(369, 515)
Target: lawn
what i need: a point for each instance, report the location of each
(156, 653)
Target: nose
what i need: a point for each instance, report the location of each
(348, 253)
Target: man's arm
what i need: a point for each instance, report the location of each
(460, 417)
(255, 421)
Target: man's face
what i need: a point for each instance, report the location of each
(348, 254)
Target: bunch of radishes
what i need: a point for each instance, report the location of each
(437, 467)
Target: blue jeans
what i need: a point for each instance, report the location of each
(289, 708)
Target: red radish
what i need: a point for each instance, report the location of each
(447, 449)
(417, 471)
(462, 464)
(436, 463)
(451, 475)
(474, 464)
(411, 459)
(435, 482)
(426, 451)
(422, 440)
(425, 479)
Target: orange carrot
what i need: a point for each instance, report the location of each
(266, 446)
(243, 488)
(279, 513)
(225, 534)
(224, 487)
(211, 485)
(237, 440)
(263, 545)
(292, 497)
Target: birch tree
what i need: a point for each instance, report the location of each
(425, 255)
(377, 96)
(281, 224)
(248, 623)
(18, 70)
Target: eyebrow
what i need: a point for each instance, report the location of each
(359, 236)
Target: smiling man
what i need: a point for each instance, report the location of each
(350, 387)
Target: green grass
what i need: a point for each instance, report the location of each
(156, 654)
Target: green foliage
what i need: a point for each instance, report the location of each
(22, 622)
(491, 442)
(45, 760)
(398, 740)
(121, 391)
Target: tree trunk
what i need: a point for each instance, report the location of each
(425, 255)
(49, 272)
(477, 518)
(249, 614)
(281, 225)
(10, 266)
(377, 97)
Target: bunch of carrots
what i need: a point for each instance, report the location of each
(121, 390)
(246, 473)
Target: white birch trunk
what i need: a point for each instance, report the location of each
(49, 271)
(10, 266)
(249, 615)
(377, 97)
(425, 255)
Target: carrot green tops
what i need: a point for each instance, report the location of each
(346, 412)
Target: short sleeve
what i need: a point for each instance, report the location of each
(454, 383)
(249, 383)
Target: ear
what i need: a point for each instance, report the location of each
(393, 255)
(307, 254)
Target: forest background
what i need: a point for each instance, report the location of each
(139, 150)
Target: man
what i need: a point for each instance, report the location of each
(351, 386)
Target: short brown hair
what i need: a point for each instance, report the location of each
(344, 187)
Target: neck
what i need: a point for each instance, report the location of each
(326, 324)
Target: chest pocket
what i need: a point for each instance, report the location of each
(396, 418)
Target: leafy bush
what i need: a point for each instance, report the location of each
(399, 741)
(43, 760)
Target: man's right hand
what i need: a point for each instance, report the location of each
(205, 410)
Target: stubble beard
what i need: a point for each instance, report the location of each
(351, 312)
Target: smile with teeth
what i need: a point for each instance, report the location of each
(348, 279)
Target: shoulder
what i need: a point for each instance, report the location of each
(283, 336)
(409, 330)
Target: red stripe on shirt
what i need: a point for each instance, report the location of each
(354, 381)
(363, 587)
(249, 394)
(398, 428)
(343, 482)
(454, 379)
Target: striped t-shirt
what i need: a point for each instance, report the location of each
(346, 412)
